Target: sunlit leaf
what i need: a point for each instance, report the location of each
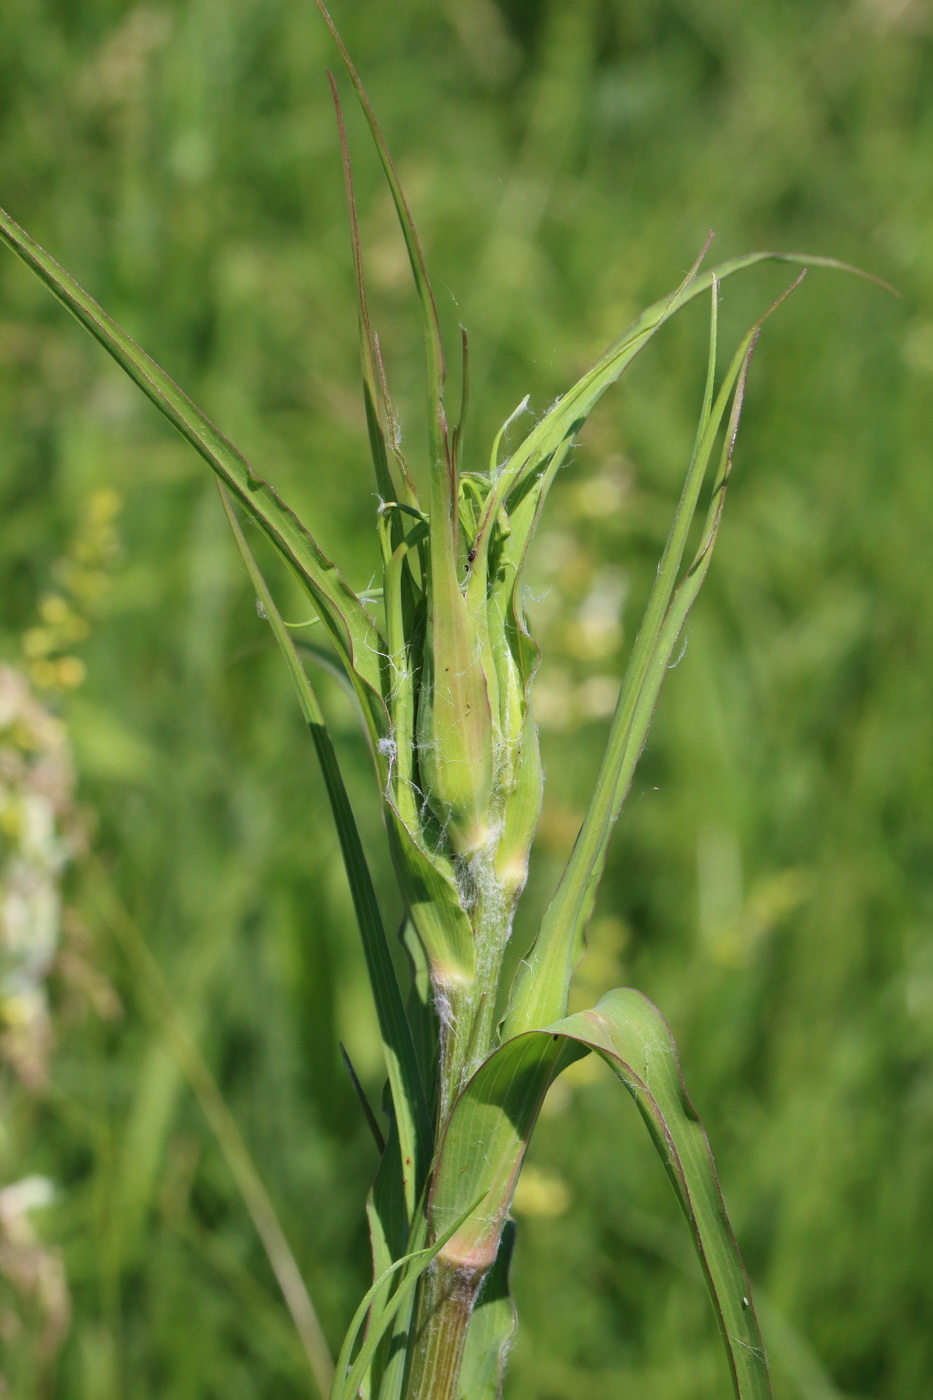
(354, 634)
(408, 1096)
(489, 1131)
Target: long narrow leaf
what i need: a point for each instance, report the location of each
(352, 631)
(389, 1231)
(570, 411)
(368, 349)
(434, 349)
(495, 1115)
(408, 1097)
(542, 983)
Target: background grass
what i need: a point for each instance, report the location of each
(772, 882)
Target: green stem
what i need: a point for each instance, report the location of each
(446, 1303)
(470, 1031)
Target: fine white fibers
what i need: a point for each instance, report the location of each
(491, 910)
(443, 1008)
(388, 748)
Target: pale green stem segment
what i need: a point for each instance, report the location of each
(543, 980)
(493, 1324)
(492, 1122)
(455, 736)
(427, 877)
(355, 636)
(402, 778)
(408, 1096)
(349, 1377)
(226, 1132)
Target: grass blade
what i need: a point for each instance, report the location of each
(352, 631)
(371, 1121)
(434, 349)
(350, 1377)
(370, 361)
(495, 1115)
(631, 1035)
(542, 982)
(566, 417)
(408, 1097)
(223, 1126)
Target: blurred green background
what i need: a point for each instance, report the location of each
(771, 886)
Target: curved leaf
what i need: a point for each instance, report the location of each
(631, 1035)
(543, 980)
(570, 411)
(494, 1117)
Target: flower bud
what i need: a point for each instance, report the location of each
(455, 736)
(521, 813)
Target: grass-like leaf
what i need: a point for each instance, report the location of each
(408, 1096)
(495, 1115)
(570, 412)
(157, 995)
(543, 980)
(374, 385)
(434, 349)
(352, 631)
(349, 1377)
(631, 1035)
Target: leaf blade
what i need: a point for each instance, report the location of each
(405, 1078)
(494, 1117)
(353, 633)
(570, 411)
(542, 983)
(434, 349)
(349, 1376)
(623, 1026)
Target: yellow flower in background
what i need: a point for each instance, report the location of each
(84, 576)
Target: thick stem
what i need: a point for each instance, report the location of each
(468, 1036)
(470, 1030)
(449, 1290)
(448, 1295)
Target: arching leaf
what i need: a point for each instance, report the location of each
(492, 1122)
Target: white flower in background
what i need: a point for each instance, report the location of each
(34, 1269)
(36, 808)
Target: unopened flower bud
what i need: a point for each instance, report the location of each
(521, 813)
(455, 730)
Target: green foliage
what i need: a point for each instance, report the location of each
(449, 788)
(776, 907)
